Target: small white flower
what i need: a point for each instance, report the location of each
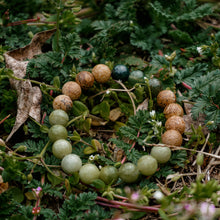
(159, 123)
(100, 167)
(152, 114)
(145, 77)
(158, 195)
(108, 91)
(200, 50)
(131, 22)
(91, 157)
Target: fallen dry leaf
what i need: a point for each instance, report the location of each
(143, 105)
(115, 114)
(29, 98)
(97, 121)
(3, 186)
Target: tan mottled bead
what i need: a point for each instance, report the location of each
(63, 102)
(72, 89)
(175, 123)
(101, 73)
(173, 109)
(85, 79)
(172, 137)
(165, 97)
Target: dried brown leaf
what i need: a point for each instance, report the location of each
(115, 114)
(96, 121)
(143, 105)
(29, 98)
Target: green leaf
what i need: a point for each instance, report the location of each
(56, 82)
(75, 137)
(79, 108)
(53, 179)
(199, 106)
(89, 150)
(104, 110)
(98, 184)
(129, 132)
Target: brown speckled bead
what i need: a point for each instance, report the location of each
(85, 79)
(72, 89)
(173, 109)
(101, 73)
(175, 123)
(172, 137)
(63, 102)
(165, 97)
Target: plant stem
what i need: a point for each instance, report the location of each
(36, 82)
(74, 119)
(117, 90)
(150, 94)
(129, 205)
(49, 170)
(5, 118)
(132, 100)
(44, 149)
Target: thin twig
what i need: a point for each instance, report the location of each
(132, 100)
(213, 159)
(203, 147)
(116, 90)
(5, 118)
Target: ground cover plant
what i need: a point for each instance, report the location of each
(109, 109)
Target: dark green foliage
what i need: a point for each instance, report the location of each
(47, 189)
(128, 32)
(75, 206)
(187, 10)
(32, 145)
(48, 65)
(178, 158)
(207, 102)
(189, 74)
(8, 205)
(12, 169)
(69, 45)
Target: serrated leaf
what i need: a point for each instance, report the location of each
(70, 45)
(129, 132)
